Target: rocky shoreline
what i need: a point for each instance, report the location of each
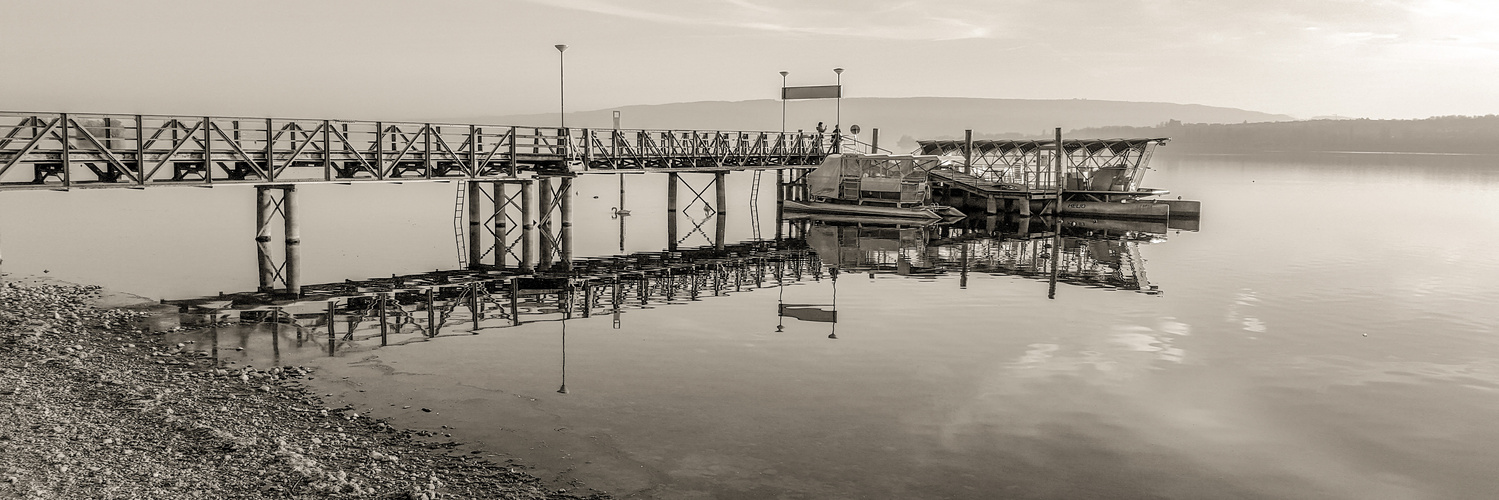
(94, 405)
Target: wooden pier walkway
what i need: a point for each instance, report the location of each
(78, 150)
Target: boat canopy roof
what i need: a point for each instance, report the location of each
(945, 147)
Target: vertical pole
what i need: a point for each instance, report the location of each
(331, 338)
(263, 208)
(293, 241)
(511, 162)
(721, 220)
(275, 336)
(207, 150)
(379, 150)
(475, 225)
(473, 304)
(473, 152)
(384, 328)
(968, 152)
(565, 188)
(671, 211)
(327, 151)
(515, 301)
(431, 313)
(1061, 164)
(67, 161)
(544, 198)
(140, 150)
(874, 141)
(270, 150)
(527, 226)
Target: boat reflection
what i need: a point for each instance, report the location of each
(1095, 253)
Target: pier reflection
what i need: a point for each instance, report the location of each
(418, 307)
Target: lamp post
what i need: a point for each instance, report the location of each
(838, 106)
(783, 101)
(561, 86)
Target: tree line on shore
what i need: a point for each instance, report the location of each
(1442, 134)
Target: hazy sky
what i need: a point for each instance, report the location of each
(429, 59)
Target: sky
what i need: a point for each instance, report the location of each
(379, 59)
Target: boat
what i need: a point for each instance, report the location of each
(1112, 192)
(878, 186)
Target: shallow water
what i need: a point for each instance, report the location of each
(1328, 333)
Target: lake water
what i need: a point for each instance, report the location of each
(1329, 332)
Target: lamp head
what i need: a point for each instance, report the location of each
(835, 70)
(784, 73)
(560, 47)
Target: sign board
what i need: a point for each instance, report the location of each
(812, 92)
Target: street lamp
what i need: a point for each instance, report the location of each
(561, 86)
(838, 107)
(783, 101)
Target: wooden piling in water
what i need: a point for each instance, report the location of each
(721, 220)
(527, 226)
(671, 211)
(501, 224)
(565, 188)
(263, 208)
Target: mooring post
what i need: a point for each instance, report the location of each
(331, 320)
(1061, 165)
(565, 196)
(293, 240)
(475, 222)
(431, 313)
(473, 304)
(527, 226)
(991, 206)
(671, 211)
(515, 301)
(263, 207)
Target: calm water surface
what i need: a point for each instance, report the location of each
(1328, 333)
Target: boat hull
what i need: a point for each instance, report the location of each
(1145, 210)
(928, 212)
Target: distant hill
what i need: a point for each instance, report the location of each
(1442, 134)
(899, 119)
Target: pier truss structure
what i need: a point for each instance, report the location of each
(1032, 164)
(90, 150)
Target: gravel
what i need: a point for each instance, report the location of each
(92, 405)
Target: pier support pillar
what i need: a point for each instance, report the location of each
(264, 207)
(527, 227)
(564, 193)
(991, 206)
(501, 223)
(721, 218)
(475, 225)
(293, 241)
(671, 211)
(544, 197)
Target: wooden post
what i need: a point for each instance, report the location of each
(431, 313)
(293, 241)
(511, 162)
(515, 301)
(1061, 164)
(384, 329)
(874, 141)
